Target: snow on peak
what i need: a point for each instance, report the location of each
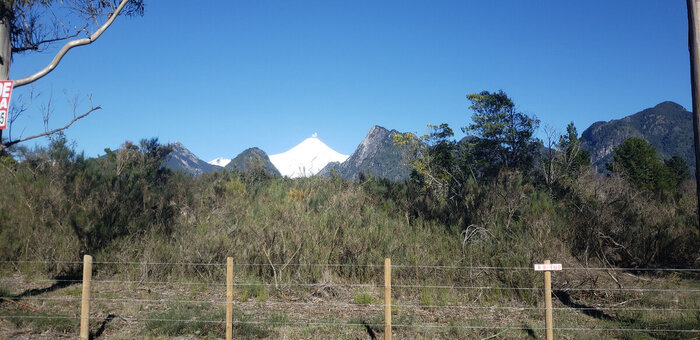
(306, 159)
(222, 162)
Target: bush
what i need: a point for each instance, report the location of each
(124, 207)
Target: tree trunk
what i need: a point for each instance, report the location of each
(5, 40)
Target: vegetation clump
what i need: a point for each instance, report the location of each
(459, 209)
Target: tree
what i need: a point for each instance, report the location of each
(678, 168)
(564, 159)
(500, 137)
(432, 156)
(636, 160)
(436, 179)
(573, 157)
(23, 29)
(441, 150)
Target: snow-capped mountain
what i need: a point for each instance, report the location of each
(221, 161)
(306, 159)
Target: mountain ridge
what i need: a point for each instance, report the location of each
(182, 159)
(667, 126)
(376, 155)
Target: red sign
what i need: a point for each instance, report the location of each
(5, 94)
(547, 267)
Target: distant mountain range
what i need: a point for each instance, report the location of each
(376, 155)
(667, 126)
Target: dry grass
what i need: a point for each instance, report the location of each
(148, 310)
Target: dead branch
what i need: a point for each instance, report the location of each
(625, 302)
(619, 285)
(638, 277)
(20, 304)
(76, 118)
(10, 171)
(490, 337)
(290, 259)
(269, 259)
(619, 245)
(18, 109)
(474, 233)
(69, 45)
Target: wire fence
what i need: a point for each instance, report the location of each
(362, 285)
(371, 265)
(645, 313)
(345, 305)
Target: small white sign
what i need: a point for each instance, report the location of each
(547, 267)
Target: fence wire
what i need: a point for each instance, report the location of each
(361, 285)
(370, 265)
(360, 306)
(325, 304)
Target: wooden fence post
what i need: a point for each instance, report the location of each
(548, 303)
(387, 299)
(229, 298)
(85, 306)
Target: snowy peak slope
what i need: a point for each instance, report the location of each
(306, 159)
(221, 161)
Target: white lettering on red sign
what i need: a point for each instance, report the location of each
(5, 94)
(547, 267)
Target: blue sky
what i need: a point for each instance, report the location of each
(228, 75)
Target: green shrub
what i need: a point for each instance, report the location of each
(365, 298)
(40, 322)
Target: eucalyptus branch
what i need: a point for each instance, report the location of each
(68, 46)
(36, 46)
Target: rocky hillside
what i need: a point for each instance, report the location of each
(182, 159)
(376, 155)
(667, 126)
